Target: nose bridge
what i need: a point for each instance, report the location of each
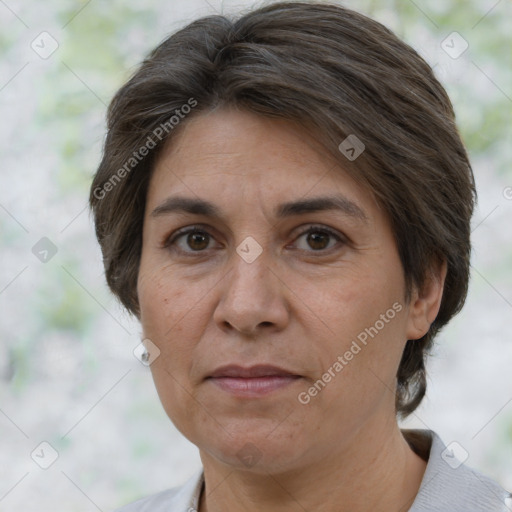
(251, 293)
(251, 274)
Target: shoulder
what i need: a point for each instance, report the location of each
(182, 498)
(159, 502)
(449, 484)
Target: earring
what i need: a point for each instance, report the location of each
(144, 357)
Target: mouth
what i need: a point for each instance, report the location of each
(252, 382)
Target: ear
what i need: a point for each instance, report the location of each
(425, 303)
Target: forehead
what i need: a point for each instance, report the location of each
(230, 137)
(239, 155)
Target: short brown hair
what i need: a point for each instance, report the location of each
(336, 72)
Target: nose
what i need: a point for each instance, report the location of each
(253, 298)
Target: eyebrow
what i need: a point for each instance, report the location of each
(201, 207)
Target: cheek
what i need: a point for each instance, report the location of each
(169, 321)
(355, 302)
(164, 302)
(366, 319)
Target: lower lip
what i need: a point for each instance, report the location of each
(255, 386)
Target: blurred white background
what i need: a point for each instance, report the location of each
(68, 376)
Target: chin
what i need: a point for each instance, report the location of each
(253, 450)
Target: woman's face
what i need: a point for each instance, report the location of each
(273, 275)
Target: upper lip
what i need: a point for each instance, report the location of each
(260, 370)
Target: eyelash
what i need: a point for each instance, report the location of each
(171, 240)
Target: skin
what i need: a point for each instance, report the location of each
(300, 304)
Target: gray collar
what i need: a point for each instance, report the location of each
(448, 484)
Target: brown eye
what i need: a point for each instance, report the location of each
(319, 239)
(189, 240)
(198, 240)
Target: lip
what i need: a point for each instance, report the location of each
(252, 382)
(258, 370)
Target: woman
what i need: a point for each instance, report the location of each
(284, 203)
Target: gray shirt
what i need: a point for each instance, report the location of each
(448, 485)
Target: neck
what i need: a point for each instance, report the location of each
(375, 470)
